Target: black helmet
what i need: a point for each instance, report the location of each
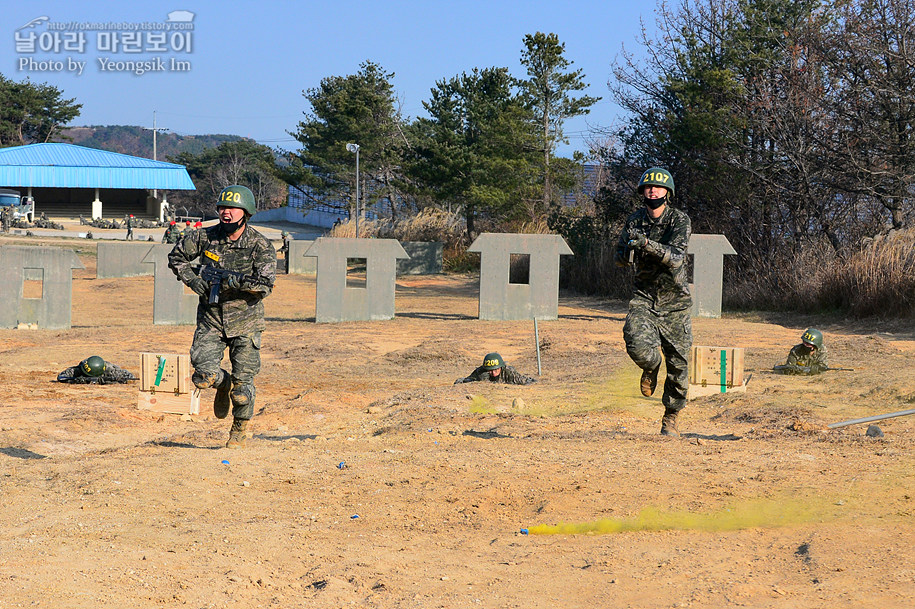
(493, 361)
(812, 336)
(93, 366)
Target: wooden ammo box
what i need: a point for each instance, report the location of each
(165, 384)
(715, 370)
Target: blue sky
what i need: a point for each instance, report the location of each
(250, 61)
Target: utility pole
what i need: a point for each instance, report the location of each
(155, 130)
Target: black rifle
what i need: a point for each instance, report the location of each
(215, 276)
(802, 369)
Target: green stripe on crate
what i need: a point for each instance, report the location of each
(160, 370)
(724, 370)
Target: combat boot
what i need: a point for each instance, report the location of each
(238, 433)
(222, 403)
(669, 423)
(649, 381)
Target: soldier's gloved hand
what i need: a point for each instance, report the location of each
(231, 282)
(199, 286)
(459, 381)
(637, 241)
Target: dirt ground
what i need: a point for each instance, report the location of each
(371, 480)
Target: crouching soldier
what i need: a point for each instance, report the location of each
(495, 370)
(807, 358)
(237, 319)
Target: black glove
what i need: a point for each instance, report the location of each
(459, 381)
(231, 282)
(637, 241)
(199, 286)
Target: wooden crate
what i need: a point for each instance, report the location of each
(183, 403)
(168, 372)
(165, 384)
(715, 370)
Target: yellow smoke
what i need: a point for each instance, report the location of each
(759, 513)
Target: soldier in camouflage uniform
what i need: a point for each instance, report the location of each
(237, 320)
(172, 233)
(495, 370)
(809, 357)
(129, 224)
(654, 241)
(95, 370)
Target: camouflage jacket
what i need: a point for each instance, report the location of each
(238, 312)
(113, 374)
(509, 376)
(804, 360)
(660, 267)
(172, 235)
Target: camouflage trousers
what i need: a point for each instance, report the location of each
(244, 353)
(646, 330)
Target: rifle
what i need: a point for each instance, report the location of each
(786, 369)
(215, 276)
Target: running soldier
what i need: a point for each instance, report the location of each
(654, 241)
(237, 320)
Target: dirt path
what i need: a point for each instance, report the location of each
(756, 505)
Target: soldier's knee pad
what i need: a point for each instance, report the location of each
(242, 395)
(205, 380)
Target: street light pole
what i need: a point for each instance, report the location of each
(355, 148)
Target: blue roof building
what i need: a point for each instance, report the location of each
(65, 179)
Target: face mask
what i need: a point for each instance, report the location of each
(654, 203)
(229, 228)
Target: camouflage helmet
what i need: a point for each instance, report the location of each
(812, 336)
(93, 366)
(240, 197)
(657, 176)
(493, 361)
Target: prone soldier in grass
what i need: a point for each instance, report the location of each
(235, 319)
(808, 357)
(95, 370)
(654, 241)
(495, 370)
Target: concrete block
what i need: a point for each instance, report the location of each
(171, 306)
(708, 253)
(336, 302)
(425, 258)
(123, 259)
(299, 263)
(54, 268)
(538, 298)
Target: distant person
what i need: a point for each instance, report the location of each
(198, 225)
(654, 241)
(172, 233)
(495, 370)
(809, 357)
(186, 230)
(285, 249)
(95, 370)
(129, 225)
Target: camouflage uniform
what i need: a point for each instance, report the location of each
(805, 360)
(509, 376)
(129, 224)
(237, 320)
(659, 312)
(112, 374)
(172, 234)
